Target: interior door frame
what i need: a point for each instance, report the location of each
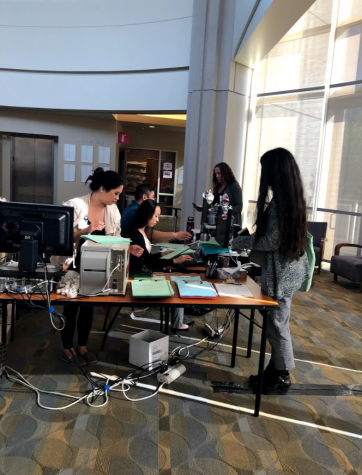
(159, 169)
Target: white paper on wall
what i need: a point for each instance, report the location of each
(180, 177)
(69, 172)
(167, 165)
(167, 174)
(86, 170)
(69, 152)
(104, 155)
(87, 154)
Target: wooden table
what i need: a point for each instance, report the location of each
(260, 301)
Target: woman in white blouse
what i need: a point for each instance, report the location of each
(95, 213)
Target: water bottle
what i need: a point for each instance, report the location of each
(190, 225)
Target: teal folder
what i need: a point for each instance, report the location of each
(180, 250)
(196, 289)
(106, 239)
(146, 288)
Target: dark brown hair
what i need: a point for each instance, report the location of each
(226, 172)
(280, 173)
(109, 180)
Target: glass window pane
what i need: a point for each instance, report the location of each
(341, 228)
(347, 57)
(294, 125)
(167, 172)
(299, 60)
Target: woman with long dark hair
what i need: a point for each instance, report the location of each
(281, 232)
(146, 217)
(224, 181)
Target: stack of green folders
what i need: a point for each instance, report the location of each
(156, 288)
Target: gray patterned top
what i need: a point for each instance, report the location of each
(283, 277)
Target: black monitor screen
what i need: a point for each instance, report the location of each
(33, 229)
(223, 228)
(205, 210)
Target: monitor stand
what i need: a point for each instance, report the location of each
(11, 269)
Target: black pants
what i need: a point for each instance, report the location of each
(84, 324)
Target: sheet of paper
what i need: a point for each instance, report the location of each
(69, 152)
(167, 174)
(231, 290)
(180, 177)
(87, 154)
(104, 155)
(167, 165)
(69, 172)
(85, 171)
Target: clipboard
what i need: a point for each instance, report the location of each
(156, 288)
(191, 289)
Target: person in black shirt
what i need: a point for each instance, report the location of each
(145, 217)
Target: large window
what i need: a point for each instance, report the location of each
(309, 100)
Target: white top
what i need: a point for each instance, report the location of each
(112, 216)
(112, 221)
(147, 241)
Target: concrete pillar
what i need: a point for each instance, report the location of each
(218, 102)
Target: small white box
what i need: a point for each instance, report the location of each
(147, 347)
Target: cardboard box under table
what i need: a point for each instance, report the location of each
(148, 347)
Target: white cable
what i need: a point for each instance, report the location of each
(110, 275)
(38, 392)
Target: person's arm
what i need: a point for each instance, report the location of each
(163, 236)
(237, 198)
(271, 239)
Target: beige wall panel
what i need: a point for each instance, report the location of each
(68, 129)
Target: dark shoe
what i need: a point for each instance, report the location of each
(279, 385)
(88, 357)
(75, 360)
(190, 325)
(274, 381)
(269, 370)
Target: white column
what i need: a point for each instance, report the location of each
(218, 102)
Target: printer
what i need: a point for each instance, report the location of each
(104, 266)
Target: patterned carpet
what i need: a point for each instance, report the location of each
(169, 434)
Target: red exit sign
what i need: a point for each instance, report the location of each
(123, 137)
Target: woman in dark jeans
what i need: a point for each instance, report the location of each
(94, 213)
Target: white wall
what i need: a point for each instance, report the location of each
(69, 129)
(79, 54)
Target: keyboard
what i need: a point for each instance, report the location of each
(197, 261)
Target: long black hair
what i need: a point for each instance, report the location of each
(143, 214)
(280, 173)
(109, 180)
(226, 172)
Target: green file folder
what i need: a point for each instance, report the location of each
(151, 288)
(106, 239)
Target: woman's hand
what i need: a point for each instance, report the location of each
(136, 250)
(183, 236)
(96, 226)
(168, 251)
(181, 259)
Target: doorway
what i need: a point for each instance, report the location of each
(152, 167)
(32, 169)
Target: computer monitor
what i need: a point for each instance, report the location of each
(223, 228)
(32, 229)
(204, 213)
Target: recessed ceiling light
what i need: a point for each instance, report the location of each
(151, 126)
